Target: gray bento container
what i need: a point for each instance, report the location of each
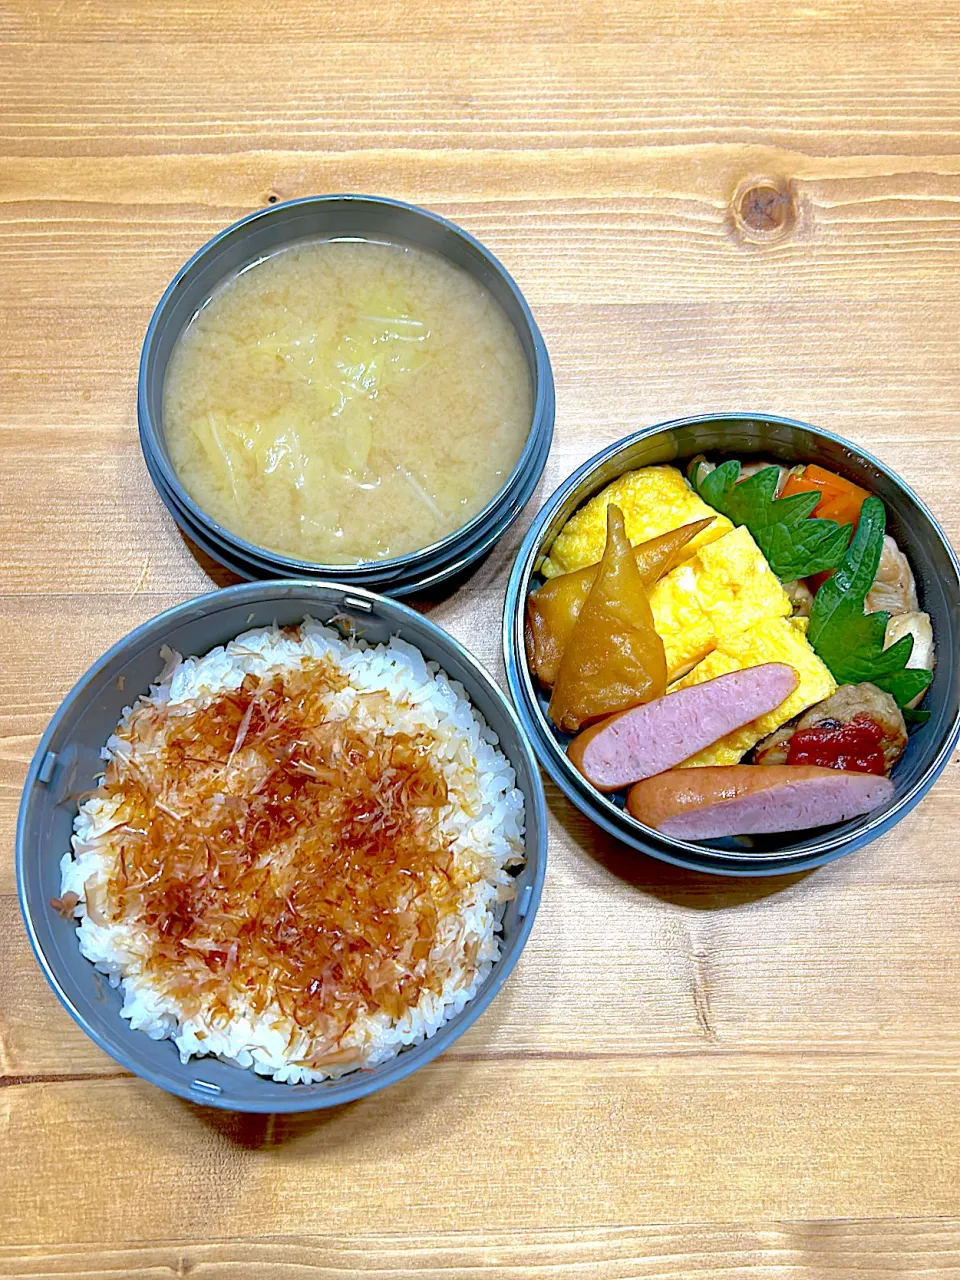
(937, 574)
(68, 761)
(337, 217)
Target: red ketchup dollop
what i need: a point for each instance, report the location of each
(856, 745)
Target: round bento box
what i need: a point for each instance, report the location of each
(330, 218)
(68, 762)
(937, 573)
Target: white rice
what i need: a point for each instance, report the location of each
(483, 818)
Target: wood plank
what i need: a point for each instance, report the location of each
(645, 225)
(652, 1141)
(344, 94)
(202, 22)
(850, 1250)
(819, 969)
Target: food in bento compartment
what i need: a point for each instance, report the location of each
(795, 545)
(850, 640)
(893, 589)
(649, 739)
(725, 589)
(748, 469)
(923, 653)
(653, 500)
(858, 728)
(730, 800)
(553, 609)
(770, 640)
(800, 597)
(782, 586)
(614, 658)
(295, 856)
(342, 401)
(839, 500)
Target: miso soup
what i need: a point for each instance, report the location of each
(343, 401)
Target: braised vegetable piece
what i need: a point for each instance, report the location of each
(614, 658)
(553, 609)
(851, 641)
(859, 728)
(840, 499)
(794, 545)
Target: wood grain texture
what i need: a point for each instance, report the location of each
(853, 1250)
(686, 1079)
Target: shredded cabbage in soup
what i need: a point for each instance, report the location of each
(346, 401)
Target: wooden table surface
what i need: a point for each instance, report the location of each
(686, 1077)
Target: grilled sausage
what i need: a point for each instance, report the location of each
(646, 740)
(744, 799)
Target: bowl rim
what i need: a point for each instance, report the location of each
(359, 1084)
(542, 413)
(597, 807)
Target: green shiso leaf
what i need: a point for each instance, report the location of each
(850, 641)
(794, 545)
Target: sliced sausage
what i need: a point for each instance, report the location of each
(646, 740)
(745, 799)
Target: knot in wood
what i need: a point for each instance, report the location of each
(764, 210)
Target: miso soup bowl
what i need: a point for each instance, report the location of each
(67, 763)
(330, 218)
(937, 573)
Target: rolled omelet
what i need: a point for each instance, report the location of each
(725, 589)
(653, 500)
(721, 610)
